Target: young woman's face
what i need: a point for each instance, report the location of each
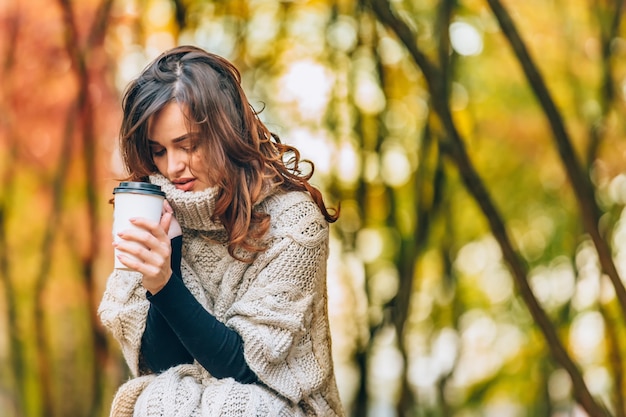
(173, 150)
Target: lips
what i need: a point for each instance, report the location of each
(184, 184)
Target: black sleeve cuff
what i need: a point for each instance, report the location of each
(160, 347)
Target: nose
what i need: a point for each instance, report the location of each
(176, 164)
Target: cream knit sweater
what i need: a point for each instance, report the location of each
(278, 305)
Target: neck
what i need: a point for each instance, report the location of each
(193, 209)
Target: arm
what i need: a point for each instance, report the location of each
(282, 315)
(179, 329)
(216, 347)
(123, 311)
(160, 347)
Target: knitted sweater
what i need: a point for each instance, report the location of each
(277, 303)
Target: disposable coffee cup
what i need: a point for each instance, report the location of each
(134, 199)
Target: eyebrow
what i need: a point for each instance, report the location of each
(175, 140)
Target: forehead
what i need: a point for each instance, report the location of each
(169, 122)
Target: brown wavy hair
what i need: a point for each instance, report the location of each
(233, 138)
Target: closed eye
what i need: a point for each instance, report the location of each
(189, 148)
(157, 151)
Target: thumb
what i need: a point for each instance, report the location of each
(166, 221)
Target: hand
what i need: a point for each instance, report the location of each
(150, 244)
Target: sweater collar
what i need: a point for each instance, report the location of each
(193, 210)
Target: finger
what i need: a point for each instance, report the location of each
(145, 256)
(167, 208)
(166, 221)
(123, 254)
(136, 265)
(153, 227)
(132, 249)
(140, 236)
(144, 245)
(127, 261)
(144, 223)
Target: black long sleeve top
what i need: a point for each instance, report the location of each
(179, 330)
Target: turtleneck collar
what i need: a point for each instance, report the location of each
(193, 210)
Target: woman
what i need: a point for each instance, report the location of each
(224, 311)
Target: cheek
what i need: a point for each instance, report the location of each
(161, 165)
(200, 167)
(197, 162)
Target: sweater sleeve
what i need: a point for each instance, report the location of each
(123, 311)
(282, 317)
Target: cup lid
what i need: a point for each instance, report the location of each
(138, 188)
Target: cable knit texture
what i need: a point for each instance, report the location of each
(277, 303)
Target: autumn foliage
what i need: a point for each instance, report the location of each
(477, 149)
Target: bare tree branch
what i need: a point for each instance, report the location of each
(581, 183)
(607, 92)
(455, 149)
(87, 118)
(16, 344)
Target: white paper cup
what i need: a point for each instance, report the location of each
(135, 199)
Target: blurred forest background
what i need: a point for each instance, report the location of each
(477, 149)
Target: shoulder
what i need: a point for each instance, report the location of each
(295, 211)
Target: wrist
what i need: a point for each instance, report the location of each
(154, 287)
